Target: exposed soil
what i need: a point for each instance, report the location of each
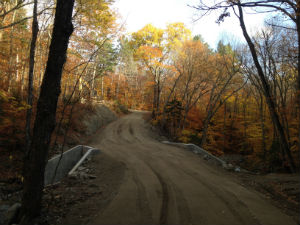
(282, 190)
(137, 180)
(76, 201)
(162, 184)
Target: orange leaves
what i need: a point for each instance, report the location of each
(10, 109)
(148, 52)
(150, 55)
(12, 120)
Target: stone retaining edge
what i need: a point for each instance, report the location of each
(92, 151)
(200, 151)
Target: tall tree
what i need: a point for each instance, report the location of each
(35, 30)
(152, 48)
(46, 112)
(290, 9)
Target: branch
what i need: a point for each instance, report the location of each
(18, 6)
(22, 20)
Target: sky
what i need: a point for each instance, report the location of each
(137, 13)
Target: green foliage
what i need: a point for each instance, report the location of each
(174, 110)
(106, 59)
(223, 49)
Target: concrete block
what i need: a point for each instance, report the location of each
(206, 154)
(66, 162)
(197, 150)
(90, 152)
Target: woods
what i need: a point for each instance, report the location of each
(238, 99)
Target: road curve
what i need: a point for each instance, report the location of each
(167, 185)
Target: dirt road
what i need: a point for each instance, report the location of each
(164, 185)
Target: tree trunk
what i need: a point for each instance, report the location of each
(267, 93)
(262, 125)
(205, 129)
(35, 30)
(154, 100)
(102, 88)
(92, 90)
(224, 126)
(298, 75)
(22, 79)
(11, 58)
(46, 113)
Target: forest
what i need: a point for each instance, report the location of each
(238, 99)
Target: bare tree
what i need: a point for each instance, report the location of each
(223, 85)
(6, 8)
(290, 9)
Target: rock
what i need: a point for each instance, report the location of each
(73, 176)
(81, 168)
(206, 157)
(228, 166)
(11, 214)
(92, 177)
(89, 158)
(237, 169)
(83, 175)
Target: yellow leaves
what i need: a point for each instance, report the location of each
(167, 40)
(153, 46)
(231, 99)
(186, 132)
(184, 139)
(10, 108)
(177, 34)
(97, 14)
(3, 96)
(185, 136)
(148, 35)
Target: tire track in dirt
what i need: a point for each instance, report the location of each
(163, 220)
(166, 196)
(142, 202)
(182, 207)
(243, 208)
(170, 186)
(183, 211)
(131, 130)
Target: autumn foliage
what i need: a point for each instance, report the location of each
(210, 97)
